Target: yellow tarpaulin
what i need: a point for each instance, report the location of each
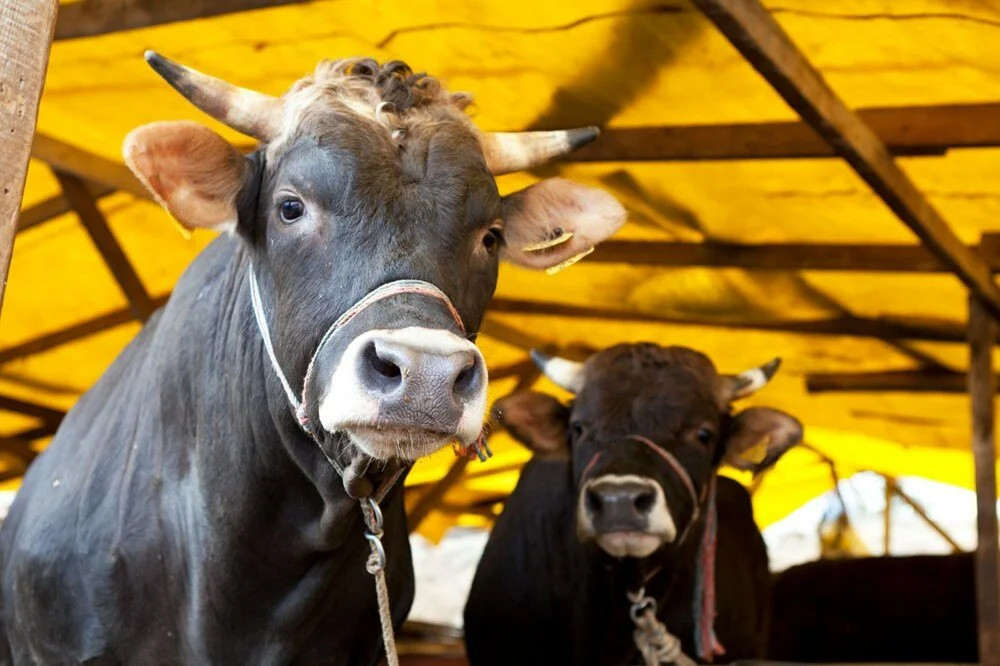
(547, 64)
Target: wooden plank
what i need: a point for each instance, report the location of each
(914, 130)
(982, 390)
(89, 18)
(45, 210)
(67, 158)
(86, 328)
(25, 36)
(903, 381)
(75, 191)
(765, 45)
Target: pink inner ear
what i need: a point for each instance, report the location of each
(190, 170)
(556, 221)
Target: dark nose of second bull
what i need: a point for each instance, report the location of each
(420, 380)
(619, 506)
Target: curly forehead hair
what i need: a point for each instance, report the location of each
(390, 93)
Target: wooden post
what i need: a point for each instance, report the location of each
(982, 388)
(25, 37)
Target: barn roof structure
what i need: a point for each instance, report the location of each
(748, 236)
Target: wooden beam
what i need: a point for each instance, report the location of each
(919, 510)
(882, 328)
(765, 45)
(75, 191)
(511, 335)
(45, 210)
(49, 415)
(72, 333)
(89, 18)
(25, 37)
(67, 158)
(777, 256)
(982, 390)
(902, 381)
(913, 130)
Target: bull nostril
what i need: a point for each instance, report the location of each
(465, 377)
(379, 371)
(384, 367)
(594, 503)
(643, 502)
(467, 381)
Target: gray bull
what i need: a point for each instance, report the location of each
(183, 513)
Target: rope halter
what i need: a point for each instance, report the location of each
(370, 510)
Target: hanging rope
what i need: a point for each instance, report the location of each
(656, 645)
(376, 567)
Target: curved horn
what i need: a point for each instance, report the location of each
(507, 152)
(563, 373)
(750, 381)
(246, 111)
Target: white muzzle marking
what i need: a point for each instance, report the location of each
(347, 406)
(660, 527)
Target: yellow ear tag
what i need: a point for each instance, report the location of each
(546, 244)
(185, 233)
(552, 270)
(756, 453)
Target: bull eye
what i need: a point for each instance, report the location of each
(291, 210)
(576, 429)
(491, 241)
(705, 435)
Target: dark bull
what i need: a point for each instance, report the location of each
(629, 467)
(181, 513)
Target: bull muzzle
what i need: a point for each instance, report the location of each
(626, 515)
(405, 393)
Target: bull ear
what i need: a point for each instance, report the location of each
(190, 170)
(536, 420)
(555, 223)
(759, 436)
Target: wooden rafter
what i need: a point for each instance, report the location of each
(882, 328)
(67, 158)
(778, 256)
(511, 335)
(89, 18)
(759, 38)
(902, 381)
(45, 210)
(75, 191)
(916, 130)
(48, 415)
(25, 36)
(77, 331)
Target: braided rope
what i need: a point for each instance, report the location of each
(654, 642)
